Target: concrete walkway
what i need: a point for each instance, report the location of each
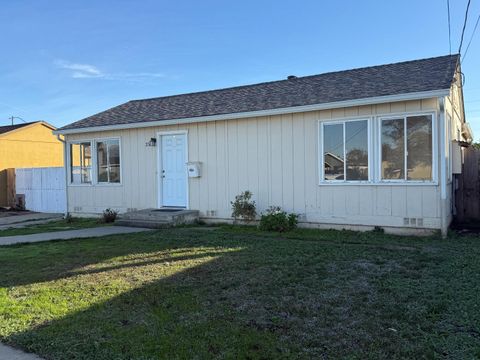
(70, 234)
(9, 353)
(27, 219)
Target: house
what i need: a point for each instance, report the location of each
(349, 149)
(26, 145)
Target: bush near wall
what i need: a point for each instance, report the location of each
(275, 219)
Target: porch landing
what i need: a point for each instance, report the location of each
(158, 218)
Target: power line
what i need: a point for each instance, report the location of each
(449, 28)
(471, 38)
(464, 26)
(12, 118)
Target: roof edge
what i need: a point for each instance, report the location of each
(269, 112)
(29, 125)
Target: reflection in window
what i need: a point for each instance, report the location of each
(81, 163)
(333, 152)
(345, 148)
(108, 161)
(356, 148)
(393, 149)
(419, 148)
(410, 158)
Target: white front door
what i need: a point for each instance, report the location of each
(173, 170)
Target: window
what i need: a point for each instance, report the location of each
(407, 148)
(81, 163)
(108, 161)
(345, 151)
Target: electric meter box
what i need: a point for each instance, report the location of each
(194, 169)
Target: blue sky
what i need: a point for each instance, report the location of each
(63, 60)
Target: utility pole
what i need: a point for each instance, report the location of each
(16, 117)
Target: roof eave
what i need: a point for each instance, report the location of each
(34, 123)
(270, 112)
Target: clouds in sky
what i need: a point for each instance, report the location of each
(84, 71)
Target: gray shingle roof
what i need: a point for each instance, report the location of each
(391, 79)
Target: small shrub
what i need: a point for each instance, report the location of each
(244, 207)
(68, 218)
(109, 215)
(275, 219)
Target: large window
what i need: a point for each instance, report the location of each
(81, 163)
(345, 151)
(108, 161)
(407, 148)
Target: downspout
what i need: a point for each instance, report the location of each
(66, 173)
(443, 170)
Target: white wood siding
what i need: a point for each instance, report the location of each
(276, 158)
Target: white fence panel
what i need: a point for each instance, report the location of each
(44, 188)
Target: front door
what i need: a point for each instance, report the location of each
(174, 170)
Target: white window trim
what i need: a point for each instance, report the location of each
(103, 139)
(93, 145)
(434, 180)
(343, 121)
(69, 162)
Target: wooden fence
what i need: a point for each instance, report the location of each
(44, 189)
(7, 187)
(467, 194)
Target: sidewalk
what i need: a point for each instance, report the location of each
(22, 220)
(9, 353)
(70, 234)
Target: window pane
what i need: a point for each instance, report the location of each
(114, 160)
(113, 153)
(102, 162)
(333, 151)
(419, 147)
(115, 173)
(103, 174)
(393, 149)
(356, 147)
(108, 158)
(80, 163)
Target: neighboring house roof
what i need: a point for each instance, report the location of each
(8, 128)
(416, 76)
(333, 160)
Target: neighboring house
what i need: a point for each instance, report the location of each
(26, 145)
(387, 133)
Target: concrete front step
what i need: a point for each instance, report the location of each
(158, 218)
(149, 224)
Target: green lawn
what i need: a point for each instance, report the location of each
(55, 225)
(240, 293)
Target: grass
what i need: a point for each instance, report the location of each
(240, 293)
(56, 225)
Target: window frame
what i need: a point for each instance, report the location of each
(69, 161)
(106, 139)
(405, 181)
(94, 173)
(321, 159)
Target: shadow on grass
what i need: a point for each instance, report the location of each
(178, 315)
(31, 263)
